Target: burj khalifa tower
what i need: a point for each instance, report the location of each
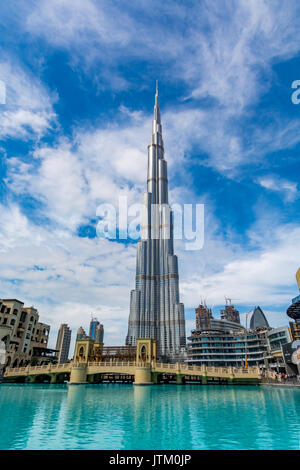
(155, 308)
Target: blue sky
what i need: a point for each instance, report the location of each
(80, 80)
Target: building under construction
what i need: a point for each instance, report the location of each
(203, 317)
(230, 313)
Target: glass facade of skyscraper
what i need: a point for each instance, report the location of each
(93, 326)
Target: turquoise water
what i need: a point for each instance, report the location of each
(154, 417)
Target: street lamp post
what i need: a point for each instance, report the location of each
(246, 343)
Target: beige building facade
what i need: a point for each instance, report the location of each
(27, 337)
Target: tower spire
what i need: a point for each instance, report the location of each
(156, 106)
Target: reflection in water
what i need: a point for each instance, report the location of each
(95, 415)
(158, 416)
(111, 416)
(29, 414)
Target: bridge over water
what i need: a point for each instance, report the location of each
(140, 373)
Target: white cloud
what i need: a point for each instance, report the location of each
(235, 48)
(66, 277)
(71, 180)
(218, 50)
(289, 189)
(223, 56)
(63, 23)
(28, 108)
(264, 275)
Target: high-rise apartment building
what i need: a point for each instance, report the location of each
(99, 335)
(155, 308)
(63, 343)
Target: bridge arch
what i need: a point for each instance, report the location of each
(41, 378)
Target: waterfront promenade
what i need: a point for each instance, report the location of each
(140, 373)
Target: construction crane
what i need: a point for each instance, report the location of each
(228, 300)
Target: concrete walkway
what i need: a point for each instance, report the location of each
(283, 385)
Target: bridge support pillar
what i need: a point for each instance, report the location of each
(179, 379)
(143, 375)
(78, 374)
(204, 380)
(155, 377)
(53, 379)
(30, 379)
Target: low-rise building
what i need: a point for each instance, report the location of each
(276, 339)
(27, 336)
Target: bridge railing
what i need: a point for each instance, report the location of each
(109, 364)
(179, 368)
(30, 369)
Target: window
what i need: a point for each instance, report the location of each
(143, 353)
(23, 316)
(81, 352)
